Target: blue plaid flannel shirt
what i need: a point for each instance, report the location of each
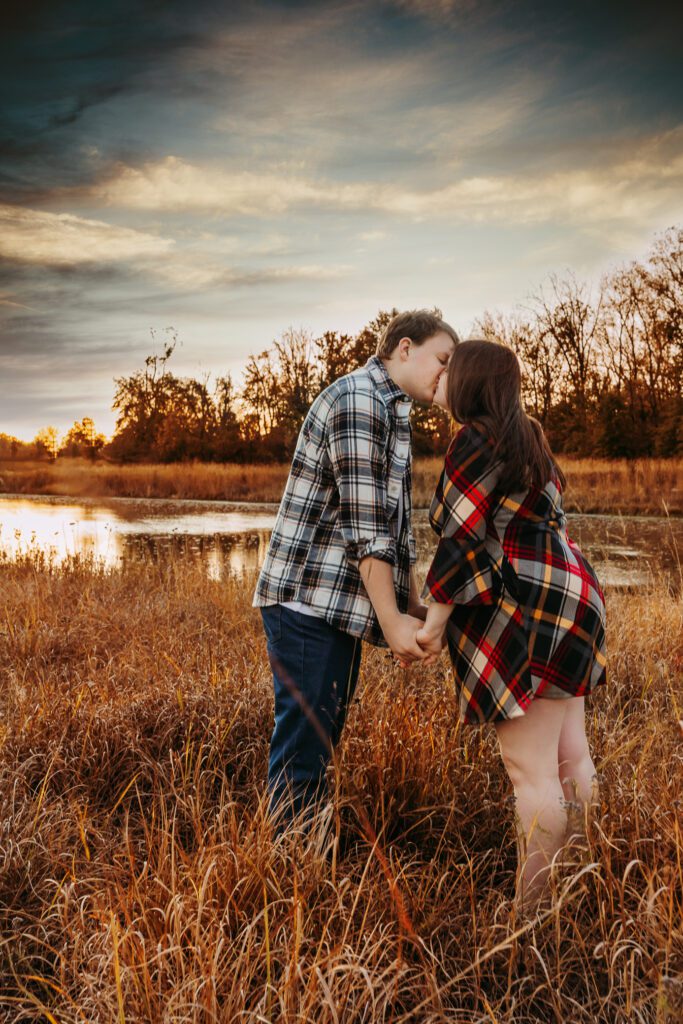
(341, 503)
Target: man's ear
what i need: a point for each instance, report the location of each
(404, 348)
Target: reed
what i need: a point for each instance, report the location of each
(139, 881)
(642, 486)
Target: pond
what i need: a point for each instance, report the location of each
(233, 537)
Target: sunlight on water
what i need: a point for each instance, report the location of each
(227, 541)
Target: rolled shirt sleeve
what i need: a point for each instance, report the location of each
(356, 444)
(462, 571)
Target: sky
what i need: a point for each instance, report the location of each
(230, 170)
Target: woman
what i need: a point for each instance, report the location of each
(523, 611)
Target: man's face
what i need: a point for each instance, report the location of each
(423, 365)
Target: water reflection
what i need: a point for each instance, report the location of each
(117, 530)
(221, 553)
(231, 538)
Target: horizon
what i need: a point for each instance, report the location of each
(232, 173)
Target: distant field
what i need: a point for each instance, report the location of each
(648, 486)
(139, 881)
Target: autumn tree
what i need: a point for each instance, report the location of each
(569, 320)
(12, 448)
(336, 355)
(46, 443)
(229, 439)
(143, 401)
(83, 440)
(298, 378)
(261, 391)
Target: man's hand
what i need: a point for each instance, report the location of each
(400, 633)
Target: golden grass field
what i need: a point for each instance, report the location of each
(653, 486)
(139, 881)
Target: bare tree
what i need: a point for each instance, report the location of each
(261, 391)
(537, 352)
(298, 376)
(572, 322)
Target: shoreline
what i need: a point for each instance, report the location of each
(198, 505)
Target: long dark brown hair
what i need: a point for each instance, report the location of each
(484, 388)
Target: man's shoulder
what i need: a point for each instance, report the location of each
(356, 386)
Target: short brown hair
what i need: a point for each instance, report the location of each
(416, 324)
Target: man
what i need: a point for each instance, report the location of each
(339, 567)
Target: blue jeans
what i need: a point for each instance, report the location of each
(315, 670)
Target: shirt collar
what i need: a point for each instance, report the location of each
(385, 384)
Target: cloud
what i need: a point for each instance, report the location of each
(93, 251)
(9, 303)
(192, 273)
(175, 185)
(637, 183)
(64, 240)
(438, 10)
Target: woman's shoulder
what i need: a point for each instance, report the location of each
(470, 454)
(470, 439)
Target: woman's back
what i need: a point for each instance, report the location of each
(532, 528)
(523, 612)
(530, 599)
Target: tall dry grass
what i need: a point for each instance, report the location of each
(201, 481)
(649, 486)
(635, 487)
(139, 881)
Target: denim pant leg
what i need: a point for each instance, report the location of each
(315, 670)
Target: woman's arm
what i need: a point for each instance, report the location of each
(431, 636)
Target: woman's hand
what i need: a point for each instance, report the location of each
(418, 610)
(430, 641)
(400, 632)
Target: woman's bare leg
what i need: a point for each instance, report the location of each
(576, 768)
(529, 747)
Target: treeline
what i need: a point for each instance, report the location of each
(603, 373)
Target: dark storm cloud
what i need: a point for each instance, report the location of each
(65, 62)
(60, 60)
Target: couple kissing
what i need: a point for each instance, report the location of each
(508, 593)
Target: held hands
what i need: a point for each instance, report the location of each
(410, 640)
(430, 642)
(400, 633)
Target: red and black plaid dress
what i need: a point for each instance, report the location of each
(529, 619)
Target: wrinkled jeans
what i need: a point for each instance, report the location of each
(315, 670)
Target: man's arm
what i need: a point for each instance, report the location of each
(356, 441)
(399, 630)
